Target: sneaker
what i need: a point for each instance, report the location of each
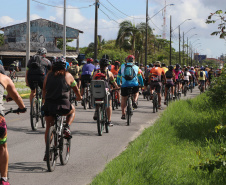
(95, 115)
(67, 132)
(164, 102)
(3, 182)
(123, 116)
(110, 124)
(179, 92)
(135, 105)
(159, 107)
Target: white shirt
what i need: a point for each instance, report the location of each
(187, 77)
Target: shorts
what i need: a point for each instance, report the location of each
(60, 107)
(184, 81)
(169, 84)
(202, 82)
(84, 80)
(145, 82)
(3, 131)
(35, 78)
(124, 90)
(157, 86)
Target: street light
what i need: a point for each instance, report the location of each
(146, 39)
(194, 41)
(187, 42)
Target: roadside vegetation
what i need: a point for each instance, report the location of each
(185, 146)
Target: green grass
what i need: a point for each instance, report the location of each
(164, 152)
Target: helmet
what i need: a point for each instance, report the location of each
(53, 59)
(184, 66)
(74, 61)
(186, 69)
(206, 66)
(100, 76)
(150, 65)
(117, 63)
(89, 60)
(105, 56)
(42, 51)
(177, 66)
(147, 66)
(157, 63)
(60, 62)
(96, 61)
(202, 68)
(130, 58)
(136, 63)
(192, 68)
(170, 68)
(163, 64)
(104, 62)
(83, 62)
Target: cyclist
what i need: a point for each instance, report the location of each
(211, 74)
(96, 64)
(192, 72)
(74, 70)
(207, 77)
(187, 77)
(170, 79)
(6, 84)
(129, 74)
(201, 77)
(56, 88)
(86, 74)
(104, 74)
(13, 67)
(115, 70)
(36, 70)
(155, 78)
(164, 67)
(178, 76)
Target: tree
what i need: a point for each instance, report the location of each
(1, 39)
(60, 44)
(219, 15)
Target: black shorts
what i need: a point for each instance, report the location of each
(35, 78)
(184, 81)
(169, 84)
(157, 86)
(60, 107)
(145, 82)
(84, 80)
(124, 90)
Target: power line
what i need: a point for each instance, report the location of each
(108, 16)
(112, 12)
(60, 6)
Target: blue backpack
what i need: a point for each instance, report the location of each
(129, 72)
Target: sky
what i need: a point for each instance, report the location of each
(81, 15)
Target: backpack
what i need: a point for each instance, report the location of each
(129, 72)
(36, 65)
(169, 74)
(201, 73)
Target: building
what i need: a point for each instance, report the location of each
(43, 33)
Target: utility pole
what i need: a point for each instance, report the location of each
(179, 46)
(187, 51)
(28, 34)
(170, 39)
(183, 49)
(95, 29)
(146, 39)
(164, 23)
(64, 30)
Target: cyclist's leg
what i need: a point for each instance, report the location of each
(70, 115)
(166, 89)
(4, 156)
(49, 122)
(158, 90)
(124, 96)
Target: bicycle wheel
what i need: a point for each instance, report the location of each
(128, 112)
(168, 97)
(154, 102)
(106, 121)
(51, 149)
(113, 100)
(85, 99)
(99, 120)
(185, 89)
(191, 87)
(33, 114)
(65, 147)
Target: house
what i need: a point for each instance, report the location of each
(43, 33)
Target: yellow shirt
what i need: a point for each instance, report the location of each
(203, 77)
(165, 69)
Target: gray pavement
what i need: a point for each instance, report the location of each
(89, 152)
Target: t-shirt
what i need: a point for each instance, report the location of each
(203, 77)
(177, 73)
(114, 71)
(187, 77)
(156, 73)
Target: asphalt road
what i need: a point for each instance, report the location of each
(89, 152)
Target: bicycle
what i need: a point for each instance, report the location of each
(100, 96)
(87, 97)
(168, 96)
(35, 111)
(57, 145)
(13, 76)
(129, 104)
(115, 102)
(185, 88)
(72, 97)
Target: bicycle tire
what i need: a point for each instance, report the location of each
(43, 121)
(168, 97)
(85, 99)
(113, 100)
(65, 147)
(185, 90)
(128, 112)
(51, 149)
(33, 114)
(99, 120)
(154, 103)
(106, 121)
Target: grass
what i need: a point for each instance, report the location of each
(164, 152)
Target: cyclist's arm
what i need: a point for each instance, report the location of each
(44, 89)
(140, 78)
(112, 79)
(12, 92)
(94, 75)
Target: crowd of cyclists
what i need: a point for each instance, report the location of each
(57, 76)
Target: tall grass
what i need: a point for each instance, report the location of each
(164, 152)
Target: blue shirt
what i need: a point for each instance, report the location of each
(67, 65)
(88, 69)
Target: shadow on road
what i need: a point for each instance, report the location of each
(27, 167)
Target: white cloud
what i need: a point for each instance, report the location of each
(6, 20)
(34, 16)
